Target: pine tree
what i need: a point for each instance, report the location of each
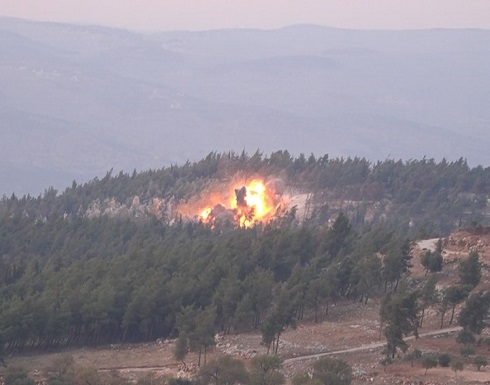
(428, 296)
(476, 312)
(399, 315)
(470, 270)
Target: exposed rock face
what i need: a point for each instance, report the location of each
(460, 243)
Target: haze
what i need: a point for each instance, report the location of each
(217, 14)
(78, 99)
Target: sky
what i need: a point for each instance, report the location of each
(265, 14)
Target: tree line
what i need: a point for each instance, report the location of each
(72, 279)
(94, 281)
(402, 312)
(417, 197)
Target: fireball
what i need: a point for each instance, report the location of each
(204, 215)
(248, 204)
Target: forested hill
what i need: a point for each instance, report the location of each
(418, 197)
(125, 258)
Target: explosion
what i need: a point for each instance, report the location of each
(248, 204)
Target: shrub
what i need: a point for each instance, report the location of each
(332, 371)
(480, 361)
(465, 337)
(444, 360)
(467, 351)
(179, 381)
(457, 366)
(16, 375)
(429, 362)
(413, 356)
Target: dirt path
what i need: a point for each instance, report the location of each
(429, 244)
(138, 368)
(375, 345)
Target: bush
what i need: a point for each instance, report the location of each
(457, 366)
(16, 375)
(467, 351)
(480, 361)
(332, 371)
(179, 381)
(465, 337)
(444, 360)
(429, 362)
(225, 370)
(413, 356)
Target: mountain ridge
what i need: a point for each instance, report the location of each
(112, 98)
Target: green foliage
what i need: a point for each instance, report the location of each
(225, 370)
(457, 366)
(326, 371)
(428, 296)
(398, 313)
(332, 371)
(429, 362)
(265, 370)
(196, 331)
(432, 261)
(470, 270)
(479, 362)
(465, 337)
(453, 296)
(62, 371)
(435, 195)
(336, 238)
(279, 319)
(108, 261)
(15, 375)
(181, 347)
(87, 376)
(413, 356)
(397, 261)
(475, 313)
(180, 381)
(366, 276)
(444, 359)
(467, 350)
(303, 378)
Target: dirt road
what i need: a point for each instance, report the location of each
(375, 345)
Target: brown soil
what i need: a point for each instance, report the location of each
(348, 325)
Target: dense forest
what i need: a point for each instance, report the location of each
(102, 263)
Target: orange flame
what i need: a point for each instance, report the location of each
(204, 215)
(248, 204)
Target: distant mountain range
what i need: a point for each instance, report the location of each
(77, 101)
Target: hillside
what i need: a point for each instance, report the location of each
(349, 324)
(229, 223)
(417, 198)
(77, 101)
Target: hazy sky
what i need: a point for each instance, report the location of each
(213, 14)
